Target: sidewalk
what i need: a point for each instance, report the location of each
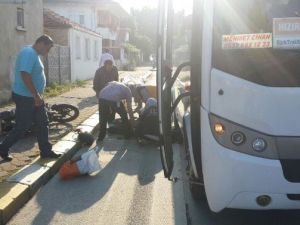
(29, 171)
(26, 150)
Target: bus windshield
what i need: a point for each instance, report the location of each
(258, 40)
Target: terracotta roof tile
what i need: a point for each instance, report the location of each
(54, 20)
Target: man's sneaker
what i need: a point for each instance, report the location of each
(6, 157)
(51, 155)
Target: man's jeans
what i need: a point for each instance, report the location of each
(27, 115)
(104, 115)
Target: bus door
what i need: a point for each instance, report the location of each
(164, 72)
(165, 82)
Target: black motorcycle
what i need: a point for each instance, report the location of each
(57, 113)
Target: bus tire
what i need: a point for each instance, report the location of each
(197, 191)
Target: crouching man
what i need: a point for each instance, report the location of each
(111, 96)
(147, 124)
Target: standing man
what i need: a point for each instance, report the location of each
(111, 97)
(27, 93)
(106, 56)
(103, 75)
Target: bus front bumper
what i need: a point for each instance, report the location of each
(236, 180)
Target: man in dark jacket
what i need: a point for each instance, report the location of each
(103, 75)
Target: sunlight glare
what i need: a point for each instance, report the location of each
(139, 4)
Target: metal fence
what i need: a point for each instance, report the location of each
(58, 65)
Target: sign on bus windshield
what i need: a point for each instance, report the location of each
(247, 41)
(258, 40)
(286, 35)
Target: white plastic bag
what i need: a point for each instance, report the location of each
(89, 163)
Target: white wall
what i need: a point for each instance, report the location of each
(106, 33)
(68, 10)
(83, 68)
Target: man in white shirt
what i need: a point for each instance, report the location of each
(106, 56)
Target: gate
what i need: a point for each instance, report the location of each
(58, 65)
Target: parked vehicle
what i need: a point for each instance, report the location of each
(240, 125)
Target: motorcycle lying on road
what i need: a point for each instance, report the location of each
(57, 114)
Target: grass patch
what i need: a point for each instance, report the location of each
(55, 89)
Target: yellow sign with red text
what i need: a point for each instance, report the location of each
(247, 41)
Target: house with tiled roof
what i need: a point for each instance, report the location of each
(101, 16)
(85, 45)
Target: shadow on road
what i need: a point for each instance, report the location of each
(58, 130)
(71, 197)
(87, 102)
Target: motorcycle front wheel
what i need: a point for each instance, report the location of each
(64, 113)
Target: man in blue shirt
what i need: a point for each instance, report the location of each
(27, 93)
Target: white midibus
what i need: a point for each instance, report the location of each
(242, 127)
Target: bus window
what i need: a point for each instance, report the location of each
(257, 62)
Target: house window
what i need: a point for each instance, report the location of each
(78, 48)
(81, 19)
(106, 42)
(87, 49)
(20, 17)
(96, 50)
(102, 18)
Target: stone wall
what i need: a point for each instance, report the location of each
(12, 38)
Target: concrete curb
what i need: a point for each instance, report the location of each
(21, 186)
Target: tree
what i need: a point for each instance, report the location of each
(182, 26)
(144, 34)
(144, 43)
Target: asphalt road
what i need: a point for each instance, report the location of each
(198, 212)
(130, 189)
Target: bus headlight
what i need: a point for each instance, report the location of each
(259, 144)
(238, 138)
(219, 128)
